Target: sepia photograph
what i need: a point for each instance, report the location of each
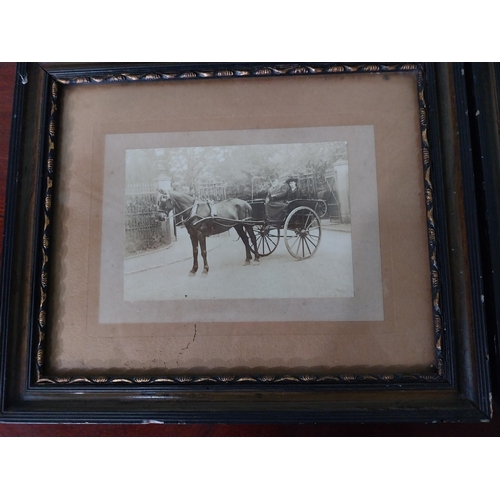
(245, 221)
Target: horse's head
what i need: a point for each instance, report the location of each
(165, 203)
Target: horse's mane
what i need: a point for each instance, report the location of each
(178, 194)
(182, 199)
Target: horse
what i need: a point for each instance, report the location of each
(202, 219)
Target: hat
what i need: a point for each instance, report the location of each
(292, 178)
(273, 177)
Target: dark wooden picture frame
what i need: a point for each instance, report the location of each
(457, 390)
(484, 82)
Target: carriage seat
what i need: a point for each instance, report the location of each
(276, 212)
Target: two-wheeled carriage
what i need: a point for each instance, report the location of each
(299, 224)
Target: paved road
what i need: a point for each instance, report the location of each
(165, 276)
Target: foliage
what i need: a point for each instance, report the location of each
(143, 229)
(245, 169)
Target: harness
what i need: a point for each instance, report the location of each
(212, 209)
(194, 209)
(212, 216)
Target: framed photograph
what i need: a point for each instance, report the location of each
(242, 243)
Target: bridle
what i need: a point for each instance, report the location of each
(174, 205)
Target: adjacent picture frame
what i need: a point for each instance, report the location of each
(484, 82)
(68, 354)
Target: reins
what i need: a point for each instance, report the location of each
(217, 220)
(229, 223)
(185, 210)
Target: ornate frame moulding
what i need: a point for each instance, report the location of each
(456, 387)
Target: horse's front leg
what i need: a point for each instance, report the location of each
(194, 244)
(203, 246)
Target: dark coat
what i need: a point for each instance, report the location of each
(292, 195)
(278, 193)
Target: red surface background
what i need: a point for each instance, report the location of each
(7, 79)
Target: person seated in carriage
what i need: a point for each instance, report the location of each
(277, 191)
(293, 191)
(275, 200)
(278, 196)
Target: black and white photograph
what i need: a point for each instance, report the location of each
(246, 221)
(278, 223)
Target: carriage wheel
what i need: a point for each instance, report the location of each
(302, 233)
(321, 208)
(267, 239)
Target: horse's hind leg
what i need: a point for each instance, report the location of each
(249, 230)
(194, 244)
(203, 246)
(243, 235)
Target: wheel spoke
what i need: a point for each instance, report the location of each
(297, 251)
(306, 224)
(311, 225)
(297, 248)
(268, 246)
(313, 236)
(312, 239)
(312, 242)
(315, 231)
(305, 241)
(295, 243)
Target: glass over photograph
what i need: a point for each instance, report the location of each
(243, 226)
